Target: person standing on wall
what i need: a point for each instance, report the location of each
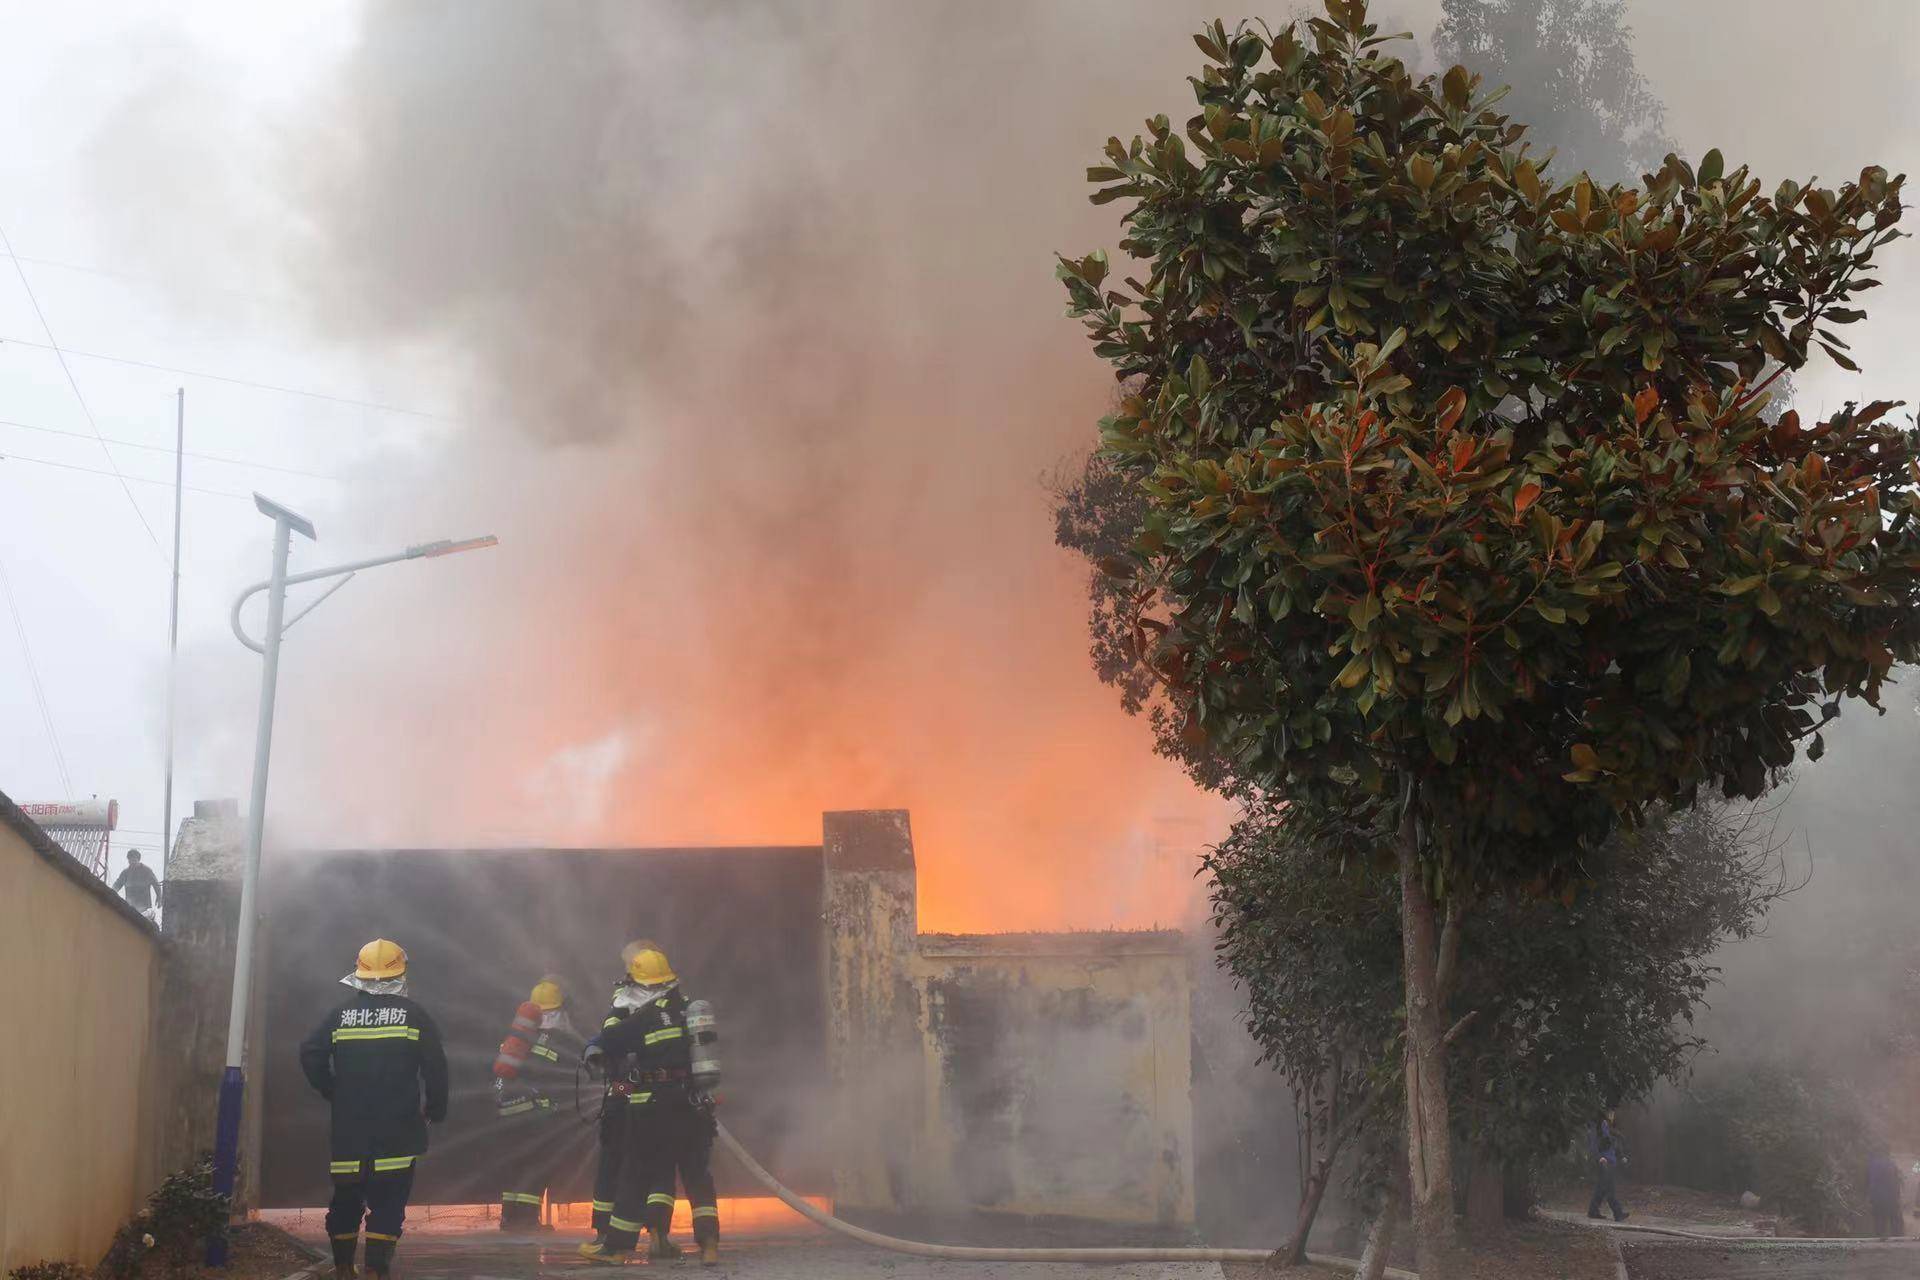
(1608, 1154)
(373, 1058)
(662, 1111)
(526, 1076)
(140, 886)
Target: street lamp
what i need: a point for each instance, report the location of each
(226, 1141)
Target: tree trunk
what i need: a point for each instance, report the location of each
(1517, 1193)
(1294, 1252)
(1385, 1226)
(1429, 1143)
(1486, 1194)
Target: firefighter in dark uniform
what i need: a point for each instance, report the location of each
(613, 1119)
(372, 1058)
(527, 1074)
(652, 1046)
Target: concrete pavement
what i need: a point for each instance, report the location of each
(483, 1253)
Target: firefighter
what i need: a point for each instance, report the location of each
(613, 1115)
(664, 1119)
(526, 1076)
(371, 1057)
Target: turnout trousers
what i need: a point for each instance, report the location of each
(380, 1196)
(606, 1173)
(534, 1144)
(690, 1138)
(645, 1162)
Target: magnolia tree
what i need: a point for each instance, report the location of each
(1560, 1008)
(1461, 519)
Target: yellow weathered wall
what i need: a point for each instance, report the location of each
(1028, 1074)
(75, 1106)
(869, 909)
(1058, 1072)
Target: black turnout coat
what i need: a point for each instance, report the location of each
(373, 1058)
(652, 1039)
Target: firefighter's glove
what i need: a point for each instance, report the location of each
(593, 1057)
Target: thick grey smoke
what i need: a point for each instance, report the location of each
(764, 360)
(761, 358)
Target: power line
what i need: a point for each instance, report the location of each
(160, 448)
(146, 278)
(85, 411)
(95, 471)
(33, 674)
(238, 382)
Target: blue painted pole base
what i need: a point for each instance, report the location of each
(226, 1155)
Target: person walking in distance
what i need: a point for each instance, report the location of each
(1883, 1195)
(140, 886)
(1608, 1154)
(378, 1059)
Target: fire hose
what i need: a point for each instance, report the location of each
(972, 1253)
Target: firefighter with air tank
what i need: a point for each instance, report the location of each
(659, 1053)
(527, 1074)
(377, 1059)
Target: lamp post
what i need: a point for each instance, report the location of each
(226, 1143)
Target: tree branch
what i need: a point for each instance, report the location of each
(1453, 1032)
(1449, 962)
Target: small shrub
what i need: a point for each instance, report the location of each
(49, 1271)
(1798, 1139)
(184, 1212)
(181, 1215)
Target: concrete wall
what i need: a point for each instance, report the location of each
(76, 1094)
(1058, 1071)
(195, 997)
(1032, 1074)
(870, 908)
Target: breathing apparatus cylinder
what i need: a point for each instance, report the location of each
(519, 1041)
(705, 1066)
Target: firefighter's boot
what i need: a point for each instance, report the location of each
(598, 1250)
(662, 1248)
(710, 1251)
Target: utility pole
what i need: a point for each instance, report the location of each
(173, 638)
(226, 1140)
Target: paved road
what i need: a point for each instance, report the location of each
(489, 1255)
(1652, 1259)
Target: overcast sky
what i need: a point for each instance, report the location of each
(171, 180)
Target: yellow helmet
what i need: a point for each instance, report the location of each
(647, 963)
(547, 994)
(381, 959)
